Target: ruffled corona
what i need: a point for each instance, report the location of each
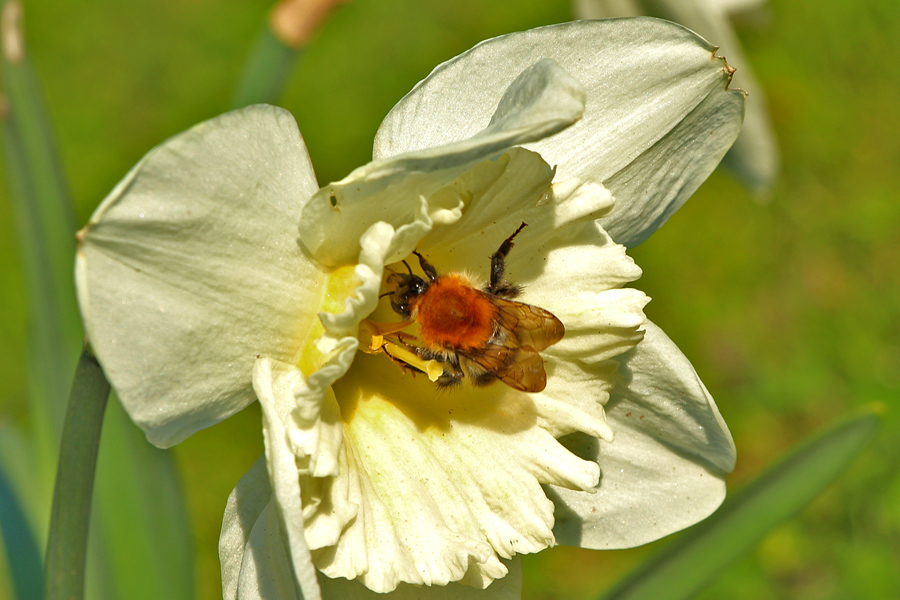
(431, 487)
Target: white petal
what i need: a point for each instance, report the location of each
(539, 101)
(580, 370)
(580, 286)
(252, 549)
(600, 324)
(666, 468)
(574, 397)
(303, 438)
(244, 506)
(495, 197)
(508, 588)
(587, 261)
(755, 153)
(658, 182)
(643, 78)
(266, 569)
(191, 268)
(379, 242)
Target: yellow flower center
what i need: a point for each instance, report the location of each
(339, 285)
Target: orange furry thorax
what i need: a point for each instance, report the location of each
(453, 314)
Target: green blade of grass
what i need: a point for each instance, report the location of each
(70, 516)
(45, 227)
(683, 567)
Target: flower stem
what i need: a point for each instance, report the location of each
(280, 42)
(67, 543)
(267, 71)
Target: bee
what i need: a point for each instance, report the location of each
(480, 334)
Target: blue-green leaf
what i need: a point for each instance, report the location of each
(22, 552)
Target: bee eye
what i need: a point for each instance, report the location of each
(401, 307)
(417, 286)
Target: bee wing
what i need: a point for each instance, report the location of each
(532, 326)
(513, 356)
(526, 371)
(492, 358)
(521, 368)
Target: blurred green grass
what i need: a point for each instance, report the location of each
(790, 311)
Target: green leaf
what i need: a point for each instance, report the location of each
(683, 567)
(45, 225)
(21, 546)
(70, 516)
(141, 534)
(154, 558)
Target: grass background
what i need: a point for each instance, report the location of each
(789, 310)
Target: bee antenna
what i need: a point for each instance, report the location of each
(380, 296)
(406, 264)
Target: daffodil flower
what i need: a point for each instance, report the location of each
(218, 273)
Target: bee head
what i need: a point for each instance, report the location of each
(404, 288)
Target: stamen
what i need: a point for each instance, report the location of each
(371, 341)
(432, 368)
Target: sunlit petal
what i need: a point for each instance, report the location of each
(665, 470)
(191, 267)
(663, 75)
(541, 100)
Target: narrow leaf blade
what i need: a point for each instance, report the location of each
(131, 473)
(696, 558)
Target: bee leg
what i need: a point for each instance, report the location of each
(477, 374)
(427, 267)
(426, 354)
(449, 379)
(485, 378)
(498, 286)
(452, 375)
(404, 366)
(406, 340)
